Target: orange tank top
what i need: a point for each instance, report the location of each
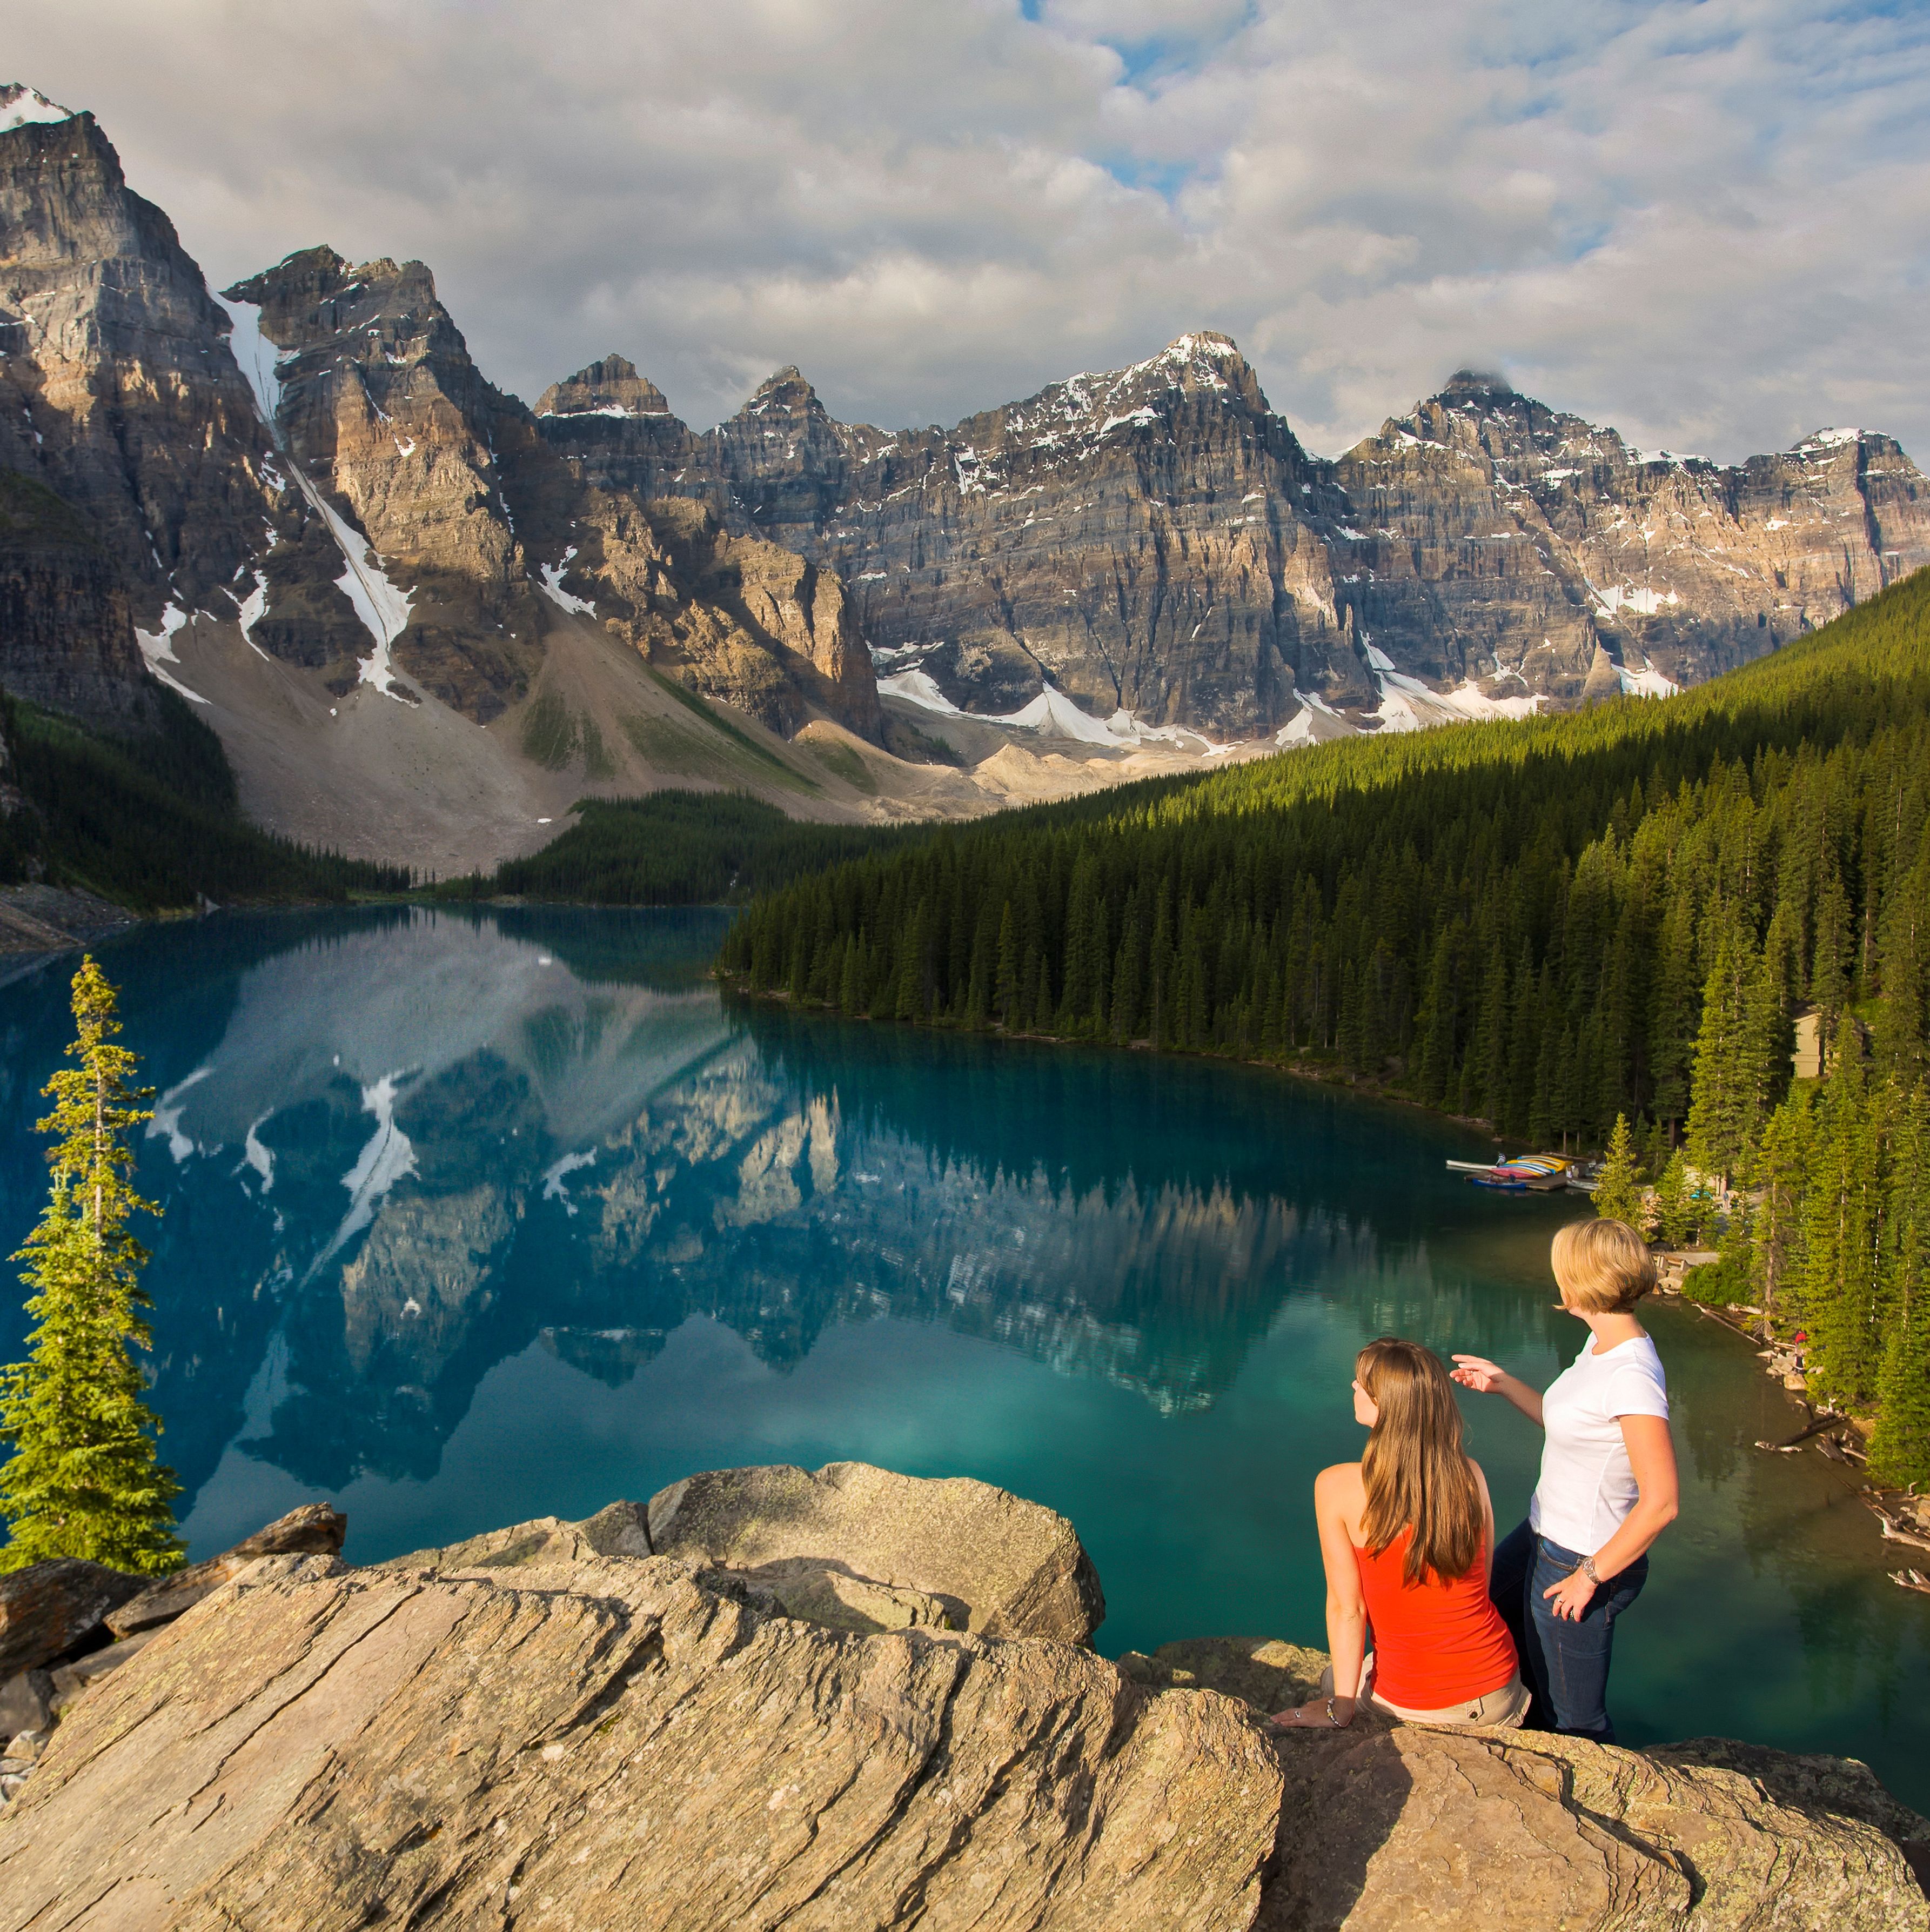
(1435, 1643)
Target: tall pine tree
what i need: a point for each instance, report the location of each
(83, 1479)
(1618, 1194)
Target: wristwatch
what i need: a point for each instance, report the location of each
(1588, 1571)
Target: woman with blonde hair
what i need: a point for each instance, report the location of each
(1405, 1536)
(1608, 1485)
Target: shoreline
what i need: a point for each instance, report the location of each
(1903, 1518)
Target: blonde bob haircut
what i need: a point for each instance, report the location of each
(1603, 1266)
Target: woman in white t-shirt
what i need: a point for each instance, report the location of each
(1607, 1487)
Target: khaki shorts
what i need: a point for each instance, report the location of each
(1504, 1709)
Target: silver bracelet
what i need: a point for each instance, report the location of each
(1331, 1719)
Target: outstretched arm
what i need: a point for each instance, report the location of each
(1651, 1457)
(1485, 1378)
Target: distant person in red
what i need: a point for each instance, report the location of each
(1406, 1535)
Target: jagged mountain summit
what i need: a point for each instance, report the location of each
(116, 396)
(1500, 537)
(1155, 539)
(304, 507)
(302, 504)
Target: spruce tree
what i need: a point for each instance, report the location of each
(1618, 1194)
(1674, 1209)
(83, 1479)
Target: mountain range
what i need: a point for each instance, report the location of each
(423, 617)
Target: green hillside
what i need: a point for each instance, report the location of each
(1542, 924)
(675, 848)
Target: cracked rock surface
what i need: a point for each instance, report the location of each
(550, 1727)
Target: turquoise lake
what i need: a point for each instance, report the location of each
(471, 1218)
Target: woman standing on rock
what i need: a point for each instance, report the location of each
(1405, 1535)
(1609, 1483)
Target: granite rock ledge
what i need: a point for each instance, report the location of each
(562, 1724)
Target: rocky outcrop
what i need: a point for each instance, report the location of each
(553, 1725)
(618, 1746)
(861, 1548)
(47, 1608)
(314, 1529)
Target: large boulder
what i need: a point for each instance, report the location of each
(48, 1608)
(315, 1748)
(550, 1725)
(863, 1548)
(1389, 1826)
(314, 1529)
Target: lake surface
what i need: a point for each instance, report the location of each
(475, 1218)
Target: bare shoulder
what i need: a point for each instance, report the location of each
(1338, 1483)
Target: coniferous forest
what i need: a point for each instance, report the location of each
(150, 819)
(1542, 925)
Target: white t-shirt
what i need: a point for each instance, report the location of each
(1587, 1486)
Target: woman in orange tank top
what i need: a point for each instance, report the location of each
(1406, 1534)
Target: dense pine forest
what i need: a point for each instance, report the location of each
(1542, 925)
(149, 819)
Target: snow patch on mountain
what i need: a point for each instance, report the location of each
(1644, 601)
(254, 607)
(259, 360)
(157, 648)
(919, 687)
(551, 585)
(1647, 682)
(382, 607)
(22, 106)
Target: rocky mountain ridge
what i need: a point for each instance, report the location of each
(303, 506)
(315, 458)
(1156, 540)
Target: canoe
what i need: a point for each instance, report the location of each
(1542, 1173)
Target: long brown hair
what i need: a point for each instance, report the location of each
(1417, 1473)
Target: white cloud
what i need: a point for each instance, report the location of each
(1708, 223)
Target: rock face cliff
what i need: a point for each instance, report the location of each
(66, 637)
(1149, 540)
(1495, 537)
(1155, 539)
(477, 532)
(596, 1725)
(315, 458)
(115, 389)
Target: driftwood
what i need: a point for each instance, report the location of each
(1829, 1419)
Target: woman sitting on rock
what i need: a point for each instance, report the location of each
(1405, 1535)
(1609, 1483)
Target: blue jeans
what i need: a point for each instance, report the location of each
(1564, 1663)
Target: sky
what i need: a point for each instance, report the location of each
(1707, 224)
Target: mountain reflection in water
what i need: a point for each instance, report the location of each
(473, 1217)
(407, 1146)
